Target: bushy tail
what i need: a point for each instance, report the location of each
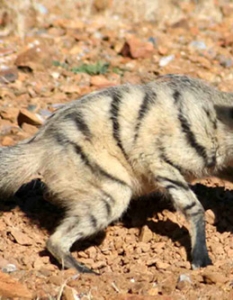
(18, 165)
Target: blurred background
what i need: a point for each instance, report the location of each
(19, 16)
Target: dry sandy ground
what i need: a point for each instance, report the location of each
(146, 255)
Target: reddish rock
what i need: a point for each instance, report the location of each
(146, 234)
(9, 113)
(70, 89)
(29, 128)
(101, 5)
(69, 293)
(7, 141)
(214, 277)
(210, 216)
(11, 288)
(136, 48)
(100, 81)
(25, 116)
(20, 237)
(161, 265)
(35, 58)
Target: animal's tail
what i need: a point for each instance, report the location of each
(18, 165)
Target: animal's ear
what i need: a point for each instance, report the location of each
(225, 114)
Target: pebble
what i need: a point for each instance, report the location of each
(210, 217)
(9, 268)
(224, 61)
(214, 278)
(200, 45)
(136, 48)
(25, 116)
(184, 277)
(29, 128)
(161, 265)
(56, 279)
(166, 60)
(7, 141)
(100, 81)
(70, 294)
(146, 234)
(20, 237)
(41, 8)
(9, 113)
(8, 75)
(11, 288)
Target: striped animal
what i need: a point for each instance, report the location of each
(95, 154)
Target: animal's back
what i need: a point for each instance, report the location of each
(95, 153)
(131, 122)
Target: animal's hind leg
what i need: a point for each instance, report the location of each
(88, 212)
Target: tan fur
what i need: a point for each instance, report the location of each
(98, 152)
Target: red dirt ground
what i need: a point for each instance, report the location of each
(146, 255)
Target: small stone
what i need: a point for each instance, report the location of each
(153, 40)
(55, 75)
(100, 81)
(161, 265)
(70, 294)
(152, 261)
(184, 282)
(45, 272)
(144, 247)
(224, 61)
(9, 114)
(41, 8)
(153, 291)
(184, 277)
(162, 50)
(20, 237)
(99, 265)
(166, 60)
(200, 45)
(69, 89)
(136, 48)
(11, 288)
(35, 57)
(7, 141)
(29, 128)
(77, 24)
(25, 116)
(146, 234)
(9, 268)
(210, 217)
(91, 252)
(214, 278)
(182, 23)
(38, 264)
(183, 285)
(56, 279)
(8, 75)
(101, 5)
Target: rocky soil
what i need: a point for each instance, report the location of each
(146, 255)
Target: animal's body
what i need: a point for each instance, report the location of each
(96, 153)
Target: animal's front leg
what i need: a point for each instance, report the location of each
(186, 201)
